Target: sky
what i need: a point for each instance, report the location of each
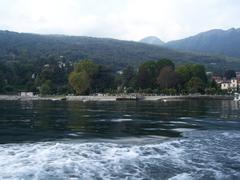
(120, 19)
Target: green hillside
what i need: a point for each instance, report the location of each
(43, 48)
(214, 41)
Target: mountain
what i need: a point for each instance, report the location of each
(215, 42)
(22, 47)
(153, 40)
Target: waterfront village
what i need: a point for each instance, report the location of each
(231, 85)
(148, 80)
(228, 85)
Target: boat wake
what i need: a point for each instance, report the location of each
(200, 155)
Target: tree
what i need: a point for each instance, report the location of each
(167, 78)
(148, 72)
(84, 76)
(185, 73)
(45, 88)
(88, 66)
(213, 84)
(229, 74)
(188, 71)
(194, 74)
(199, 72)
(104, 80)
(163, 63)
(128, 77)
(80, 82)
(196, 85)
(147, 75)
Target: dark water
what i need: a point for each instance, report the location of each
(120, 140)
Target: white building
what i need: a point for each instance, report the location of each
(234, 84)
(225, 86)
(26, 94)
(230, 85)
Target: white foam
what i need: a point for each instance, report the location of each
(82, 161)
(199, 155)
(182, 176)
(185, 118)
(60, 160)
(183, 129)
(73, 134)
(178, 122)
(121, 120)
(231, 135)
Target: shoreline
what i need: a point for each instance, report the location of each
(113, 98)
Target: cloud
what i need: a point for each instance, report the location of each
(122, 19)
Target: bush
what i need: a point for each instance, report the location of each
(170, 91)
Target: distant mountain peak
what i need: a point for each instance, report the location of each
(153, 40)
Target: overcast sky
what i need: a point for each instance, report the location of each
(121, 19)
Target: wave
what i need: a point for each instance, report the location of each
(121, 120)
(201, 155)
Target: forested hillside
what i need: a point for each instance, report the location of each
(215, 41)
(42, 48)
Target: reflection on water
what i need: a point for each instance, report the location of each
(230, 109)
(46, 120)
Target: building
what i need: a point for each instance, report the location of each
(232, 85)
(218, 79)
(26, 94)
(225, 86)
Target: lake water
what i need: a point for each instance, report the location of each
(120, 140)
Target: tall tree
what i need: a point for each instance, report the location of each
(199, 71)
(185, 73)
(149, 71)
(167, 78)
(146, 77)
(88, 66)
(164, 63)
(104, 80)
(80, 82)
(128, 77)
(196, 85)
(46, 88)
(84, 77)
(188, 71)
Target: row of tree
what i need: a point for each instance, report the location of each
(59, 76)
(150, 77)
